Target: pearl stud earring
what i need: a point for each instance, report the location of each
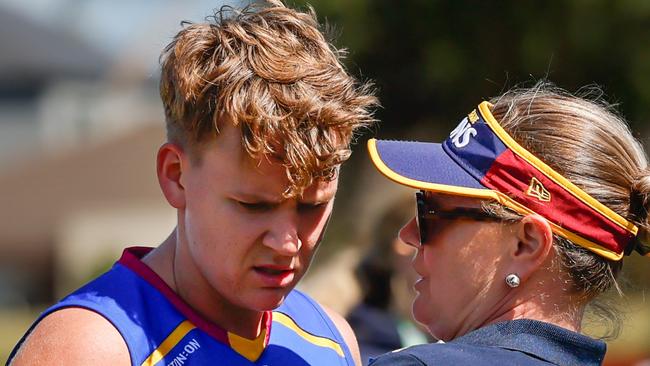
(513, 280)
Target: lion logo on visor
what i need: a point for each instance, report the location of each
(462, 134)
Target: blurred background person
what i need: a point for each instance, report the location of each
(524, 215)
(382, 320)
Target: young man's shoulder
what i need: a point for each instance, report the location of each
(73, 336)
(346, 332)
(323, 316)
(80, 329)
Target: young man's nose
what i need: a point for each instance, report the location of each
(283, 236)
(410, 233)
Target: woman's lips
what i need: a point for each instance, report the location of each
(418, 283)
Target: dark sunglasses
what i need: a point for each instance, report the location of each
(426, 212)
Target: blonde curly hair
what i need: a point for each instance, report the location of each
(270, 70)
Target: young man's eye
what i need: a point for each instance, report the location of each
(308, 207)
(255, 206)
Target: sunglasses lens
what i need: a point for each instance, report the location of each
(420, 216)
(427, 211)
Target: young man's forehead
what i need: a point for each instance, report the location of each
(261, 172)
(272, 190)
(261, 198)
(321, 190)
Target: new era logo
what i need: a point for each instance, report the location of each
(536, 189)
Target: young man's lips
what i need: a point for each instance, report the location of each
(275, 276)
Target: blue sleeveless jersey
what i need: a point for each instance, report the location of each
(159, 328)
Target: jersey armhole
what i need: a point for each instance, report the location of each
(128, 339)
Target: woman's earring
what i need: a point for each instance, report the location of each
(513, 280)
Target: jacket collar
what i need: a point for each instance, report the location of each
(543, 340)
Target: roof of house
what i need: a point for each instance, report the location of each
(38, 193)
(33, 51)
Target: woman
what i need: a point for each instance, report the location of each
(523, 217)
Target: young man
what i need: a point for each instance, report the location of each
(260, 114)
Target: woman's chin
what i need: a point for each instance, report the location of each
(421, 311)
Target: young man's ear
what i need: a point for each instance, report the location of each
(533, 247)
(169, 166)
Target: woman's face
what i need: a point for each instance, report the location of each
(459, 265)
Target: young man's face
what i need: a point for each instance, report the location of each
(245, 244)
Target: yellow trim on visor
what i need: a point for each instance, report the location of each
(484, 107)
(418, 184)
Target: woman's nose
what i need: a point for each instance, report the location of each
(410, 234)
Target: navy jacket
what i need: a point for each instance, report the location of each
(521, 342)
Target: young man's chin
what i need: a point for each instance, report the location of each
(270, 299)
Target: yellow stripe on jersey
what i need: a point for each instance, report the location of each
(249, 348)
(319, 341)
(169, 343)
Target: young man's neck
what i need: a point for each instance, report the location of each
(186, 282)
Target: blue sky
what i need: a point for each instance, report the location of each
(132, 32)
(113, 25)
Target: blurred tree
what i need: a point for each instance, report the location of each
(434, 59)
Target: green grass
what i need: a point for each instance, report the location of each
(14, 323)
